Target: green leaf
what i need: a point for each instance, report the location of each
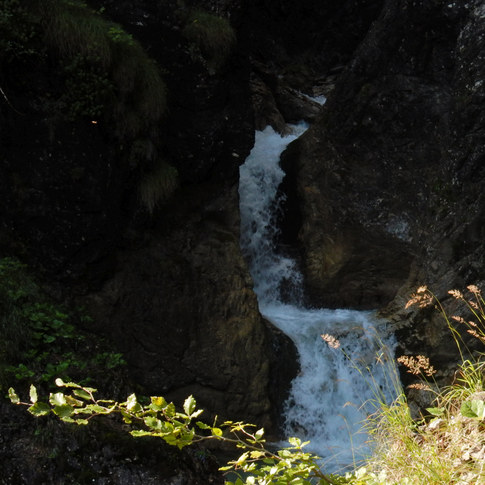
(137, 433)
(13, 396)
(95, 409)
(81, 393)
(158, 403)
(189, 405)
(216, 431)
(436, 411)
(196, 413)
(170, 410)
(153, 423)
(132, 404)
(259, 434)
(473, 409)
(33, 394)
(57, 399)
(74, 402)
(63, 411)
(61, 383)
(81, 421)
(242, 459)
(202, 425)
(39, 409)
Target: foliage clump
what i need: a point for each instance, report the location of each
(447, 444)
(103, 76)
(41, 340)
(107, 56)
(212, 36)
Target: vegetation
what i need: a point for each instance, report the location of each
(103, 76)
(447, 446)
(211, 36)
(103, 63)
(157, 185)
(42, 340)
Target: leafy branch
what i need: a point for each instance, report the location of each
(78, 404)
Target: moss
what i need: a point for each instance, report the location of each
(75, 30)
(107, 72)
(212, 36)
(157, 185)
(100, 73)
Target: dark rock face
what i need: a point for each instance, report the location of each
(183, 312)
(63, 201)
(389, 180)
(171, 290)
(59, 454)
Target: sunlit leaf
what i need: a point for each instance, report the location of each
(57, 399)
(202, 425)
(63, 411)
(132, 404)
(436, 411)
(189, 405)
(259, 434)
(81, 393)
(73, 401)
(33, 394)
(153, 423)
(473, 409)
(13, 396)
(158, 403)
(39, 409)
(242, 459)
(61, 383)
(170, 410)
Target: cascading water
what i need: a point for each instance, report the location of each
(326, 403)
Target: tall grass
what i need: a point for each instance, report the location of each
(109, 76)
(213, 36)
(75, 31)
(157, 185)
(446, 445)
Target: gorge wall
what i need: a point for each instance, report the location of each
(389, 180)
(384, 190)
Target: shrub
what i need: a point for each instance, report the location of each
(158, 185)
(40, 339)
(447, 445)
(106, 68)
(212, 36)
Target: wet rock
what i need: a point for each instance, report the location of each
(266, 111)
(388, 179)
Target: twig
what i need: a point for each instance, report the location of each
(9, 103)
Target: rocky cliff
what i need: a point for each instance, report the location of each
(388, 181)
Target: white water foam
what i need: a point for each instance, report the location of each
(327, 399)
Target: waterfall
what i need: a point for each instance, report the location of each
(327, 399)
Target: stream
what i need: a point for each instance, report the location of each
(329, 399)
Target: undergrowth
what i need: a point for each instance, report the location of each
(446, 445)
(42, 340)
(98, 73)
(212, 37)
